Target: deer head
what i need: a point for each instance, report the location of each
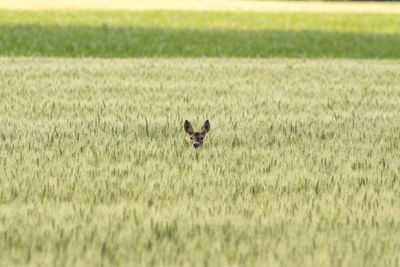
(197, 138)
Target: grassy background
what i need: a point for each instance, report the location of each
(198, 34)
(300, 166)
(208, 5)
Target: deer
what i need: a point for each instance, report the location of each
(197, 138)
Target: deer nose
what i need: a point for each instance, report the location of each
(196, 145)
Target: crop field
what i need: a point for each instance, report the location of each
(300, 168)
(169, 33)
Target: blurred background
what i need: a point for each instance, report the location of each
(200, 28)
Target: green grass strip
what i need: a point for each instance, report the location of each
(198, 34)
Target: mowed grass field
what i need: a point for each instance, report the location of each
(300, 168)
(171, 33)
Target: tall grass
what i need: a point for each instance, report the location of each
(300, 166)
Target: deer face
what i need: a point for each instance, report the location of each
(197, 138)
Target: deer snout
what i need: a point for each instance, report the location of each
(196, 145)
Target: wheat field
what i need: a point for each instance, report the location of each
(300, 166)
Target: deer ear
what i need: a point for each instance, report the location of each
(188, 127)
(206, 127)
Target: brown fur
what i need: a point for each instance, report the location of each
(197, 138)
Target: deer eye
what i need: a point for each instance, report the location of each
(191, 138)
(201, 138)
